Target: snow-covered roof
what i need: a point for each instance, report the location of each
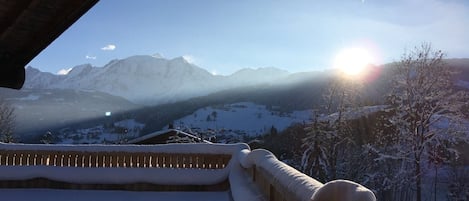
(158, 133)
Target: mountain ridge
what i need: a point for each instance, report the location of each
(146, 79)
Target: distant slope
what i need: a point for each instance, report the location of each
(243, 118)
(38, 110)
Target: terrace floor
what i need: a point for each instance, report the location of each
(99, 195)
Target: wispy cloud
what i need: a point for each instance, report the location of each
(109, 47)
(64, 71)
(90, 57)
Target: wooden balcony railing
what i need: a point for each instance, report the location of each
(112, 159)
(249, 175)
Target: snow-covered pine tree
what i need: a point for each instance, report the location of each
(328, 141)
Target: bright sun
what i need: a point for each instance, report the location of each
(352, 61)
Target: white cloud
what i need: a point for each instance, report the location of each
(189, 58)
(109, 47)
(64, 71)
(90, 57)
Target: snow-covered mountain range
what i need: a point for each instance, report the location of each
(150, 79)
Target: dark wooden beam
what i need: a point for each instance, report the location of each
(27, 27)
(11, 15)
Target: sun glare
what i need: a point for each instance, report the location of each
(352, 61)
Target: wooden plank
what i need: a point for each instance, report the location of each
(153, 160)
(31, 157)
(127, 160)
(121, 160)
(2, 158)
(93, 159)
(17, 159)
(212, 161)
(111, 160)
(107, 160)
(23, 159)
(86, 160)
(78, 160)
(200, 161)
(133, 162)
(220, 161)
(170, 160)
(10, 158)
(100, 161)
(175, 161)
(186, 161)
(61, 157)
(41, 159)
(161, 160)
(139, 160)
(118, 159)
(54, 159)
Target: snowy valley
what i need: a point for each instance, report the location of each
(229, 123)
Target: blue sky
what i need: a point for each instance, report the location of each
(223, 36)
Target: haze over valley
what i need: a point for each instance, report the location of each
(157, 91)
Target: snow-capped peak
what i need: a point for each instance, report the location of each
(78, 69)
(157, 56)
(64, 71)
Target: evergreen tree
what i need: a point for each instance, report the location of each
(329, 138)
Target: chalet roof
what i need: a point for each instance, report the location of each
(160, 137)
(29, 26)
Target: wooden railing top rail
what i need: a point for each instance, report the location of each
(206, 156)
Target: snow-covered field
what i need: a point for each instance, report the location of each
(242, 118)
(92, 195)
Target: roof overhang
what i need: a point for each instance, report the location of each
(29, 26)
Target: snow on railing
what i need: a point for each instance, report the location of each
(280, 182)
